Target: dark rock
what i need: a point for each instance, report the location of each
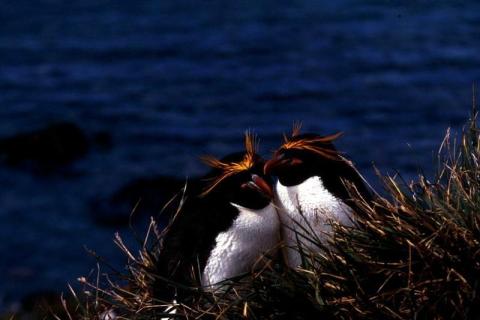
(103, 140)
(40, 300)
(142, 197)
(45, 149)
(44, 305)
(51, 148)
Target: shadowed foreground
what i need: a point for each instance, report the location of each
(413, 253)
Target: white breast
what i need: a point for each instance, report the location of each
(307, 206)
(236, 250)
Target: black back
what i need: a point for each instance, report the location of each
(191, 237)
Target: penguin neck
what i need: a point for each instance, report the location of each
(308, 195)
(252, 233)
(329, 172)
(242, 211)
(308, 209)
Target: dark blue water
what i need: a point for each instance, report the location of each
(173, 80)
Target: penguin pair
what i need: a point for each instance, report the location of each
(236, 215)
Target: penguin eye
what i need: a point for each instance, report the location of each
(288, 153)
(247, 185)
(296, 161)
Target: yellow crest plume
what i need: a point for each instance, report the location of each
(311, 144)
(231, 168)
(297, 127)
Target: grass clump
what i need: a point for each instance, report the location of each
(413, 253)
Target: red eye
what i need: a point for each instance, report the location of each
(295, 162)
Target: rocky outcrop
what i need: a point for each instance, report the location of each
(142, 197)
(49, 149)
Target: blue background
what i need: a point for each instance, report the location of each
(172, 80)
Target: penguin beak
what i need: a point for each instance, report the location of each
(279, 162)
(261, 185)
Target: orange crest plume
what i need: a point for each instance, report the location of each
(297, 127)
(232, 168)
(311, 144)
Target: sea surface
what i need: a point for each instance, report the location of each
(172, 80)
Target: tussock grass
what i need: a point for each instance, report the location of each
(413, 253)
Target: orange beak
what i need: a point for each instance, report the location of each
(262, 185)
(277, 162)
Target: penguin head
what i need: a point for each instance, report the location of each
(239, 178)
(304, 155)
